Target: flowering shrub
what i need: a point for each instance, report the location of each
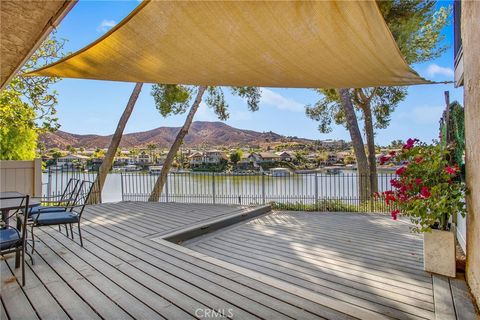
(427, 189)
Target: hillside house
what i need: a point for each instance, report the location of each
(144, 158)
(122, 161)
(214, 156)
(285, 155)
(195, 159)
(208, 157)
(263, 157)
(332, 144)
(245, 163)
(70, 160)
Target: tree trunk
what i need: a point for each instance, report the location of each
(158, 188)
(96, 195)
(357, 142)
(372, 160)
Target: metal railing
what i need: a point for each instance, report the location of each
(306, 192)
(54, 180)
(313, 191)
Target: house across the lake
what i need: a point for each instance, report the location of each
(70, 160)
(285, 155)
(208, 157)
(262, 157)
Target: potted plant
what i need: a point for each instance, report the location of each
(428, 190)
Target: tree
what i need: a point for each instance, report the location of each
(175, 99)
(151, 148)
(42, 149)
(322, 158)
(27, 105)
(416, 26)
(397, 144)
(56, 154)
(98, 153)
(71, 149)
(18, 137)
(96, 194)
(235, 156)
(299, 157)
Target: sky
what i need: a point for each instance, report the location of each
(94, 107)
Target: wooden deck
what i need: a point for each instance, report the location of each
(369, 261)
(122, 274)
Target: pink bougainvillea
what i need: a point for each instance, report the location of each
(428, 189)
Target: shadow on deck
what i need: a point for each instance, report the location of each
(278, 266)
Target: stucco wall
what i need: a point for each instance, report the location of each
(471, 52)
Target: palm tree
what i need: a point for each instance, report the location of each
(151, 148)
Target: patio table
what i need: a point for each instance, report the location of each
(11, 204)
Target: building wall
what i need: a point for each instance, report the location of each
(21, 176)
(471, 59)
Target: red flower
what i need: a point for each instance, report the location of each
(392, 153)
(409, 144)
(384, 159)
(425, 193)
(400, 171)
(418, 181)
(376, 195)
(389, 196)
(451, 170)
(395, 183)
(403, 197)
(394, 214)
(418, 159)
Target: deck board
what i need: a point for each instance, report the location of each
(365, 260)
(277, 266)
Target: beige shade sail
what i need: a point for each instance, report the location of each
(297, 44)
(24, 24)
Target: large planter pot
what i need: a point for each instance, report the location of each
(439, 252)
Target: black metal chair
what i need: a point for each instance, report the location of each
(13, 239)
(69, 215)
(61, 201)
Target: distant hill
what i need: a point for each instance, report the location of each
(201, 133)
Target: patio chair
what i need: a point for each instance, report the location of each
(60, 202)
(68, 216)
(13, 239)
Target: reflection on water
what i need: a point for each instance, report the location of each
(232, 189)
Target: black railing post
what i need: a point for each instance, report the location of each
(49, 183)
(121, 185)
(316, 191)
(263, 189)
(213, 187)
(166, 190)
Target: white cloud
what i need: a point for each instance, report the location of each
(434, 69)
(204, 113)
(278, 101)
(106, 25)
(424, 115)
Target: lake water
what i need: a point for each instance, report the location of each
(222, 188)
